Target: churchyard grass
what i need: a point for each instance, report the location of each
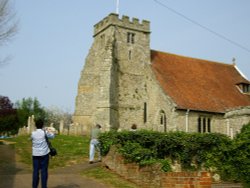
(71, 150)
(109, 178)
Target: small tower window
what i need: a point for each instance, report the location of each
(102, 39)
(129, 54)
(130, 37)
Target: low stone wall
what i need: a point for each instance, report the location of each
(153, 177)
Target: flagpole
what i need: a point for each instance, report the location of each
(117, 6)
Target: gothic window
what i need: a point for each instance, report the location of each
(204, 125)
(163, 120)
(208, 125)
(130, 38)
(199, 125)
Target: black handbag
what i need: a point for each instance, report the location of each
(53, 151)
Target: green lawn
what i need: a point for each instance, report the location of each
(71, 150)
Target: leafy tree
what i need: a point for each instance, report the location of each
(8, 117)
(5, 103)
(28, 107)
(8, 24)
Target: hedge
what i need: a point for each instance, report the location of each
(194, 151)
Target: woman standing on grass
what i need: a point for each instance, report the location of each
(40, 154)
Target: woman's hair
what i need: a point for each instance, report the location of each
(134, 126)
(39, 123)
(98, 126)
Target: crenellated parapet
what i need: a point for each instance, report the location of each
(114, 20)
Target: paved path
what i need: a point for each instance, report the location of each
(18, 175)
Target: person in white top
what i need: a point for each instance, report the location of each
(40, 154)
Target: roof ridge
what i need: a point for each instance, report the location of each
(188, 57)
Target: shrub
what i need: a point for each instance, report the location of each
(202, 149)
(194, 151)
(134, 152)
(107, 139)
(237, 166)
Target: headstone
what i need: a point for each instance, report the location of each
(61, 127)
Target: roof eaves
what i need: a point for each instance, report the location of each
(199, 110)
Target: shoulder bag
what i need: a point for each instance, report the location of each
(53, 151)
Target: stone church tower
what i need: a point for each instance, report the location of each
(112, 89)
(124, 82)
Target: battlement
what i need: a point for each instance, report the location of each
(113, 19)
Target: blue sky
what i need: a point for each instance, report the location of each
(54, 37)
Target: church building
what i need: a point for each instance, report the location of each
(124, 82)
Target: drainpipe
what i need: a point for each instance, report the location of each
(228, 127)
(231, 133)
(187, 113)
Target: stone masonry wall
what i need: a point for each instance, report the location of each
(95, 103)
(235, 119)
(133, 57)
(159, 102)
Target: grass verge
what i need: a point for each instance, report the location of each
(107, 177)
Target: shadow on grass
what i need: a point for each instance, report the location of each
(8, 168)
(67, 186)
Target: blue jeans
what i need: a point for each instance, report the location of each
(94, 145)
(40, 163)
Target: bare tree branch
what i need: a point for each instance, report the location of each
(8, 25)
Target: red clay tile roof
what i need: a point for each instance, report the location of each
(198, 84)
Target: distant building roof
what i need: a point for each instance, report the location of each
(198, 84)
